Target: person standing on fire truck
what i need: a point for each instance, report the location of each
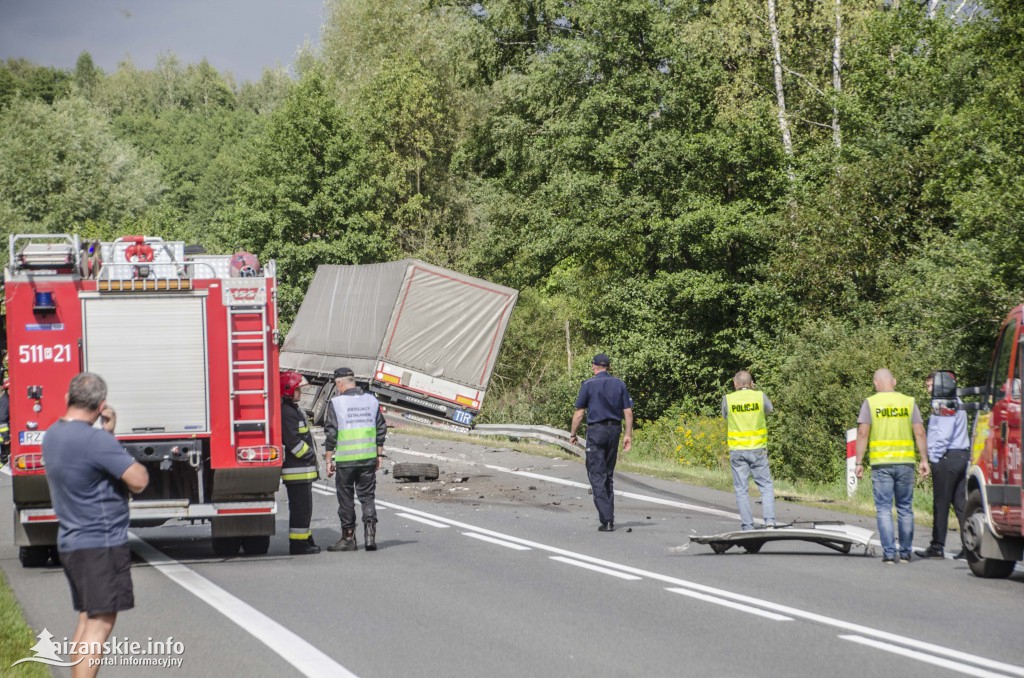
(355, 431)
(887, 428)
(299, 469)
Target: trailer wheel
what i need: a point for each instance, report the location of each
(226, 547)
(55, 556)
(971, 535)
(33, 556)
(415, 472)
(256, 546)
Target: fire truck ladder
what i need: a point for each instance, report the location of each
(237, 315)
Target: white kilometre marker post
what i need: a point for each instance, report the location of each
(851, 462)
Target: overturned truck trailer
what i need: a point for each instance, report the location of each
(424, 339)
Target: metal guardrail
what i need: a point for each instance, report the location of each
(547, 434)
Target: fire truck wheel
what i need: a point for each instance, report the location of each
(225, 547)
(415, 472)
(256, 546)
(971, 535)
(33, 556)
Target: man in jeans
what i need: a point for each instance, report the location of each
(888, 427)
(90, 476)
(744, 411)
(949, 454)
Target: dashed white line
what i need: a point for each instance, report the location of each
(596, 568)
(926, 658)
(432, 523)
(306, 658)
(499, 542)
(730, 604)
(786, 610)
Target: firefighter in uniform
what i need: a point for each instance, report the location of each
(744, 412)
(5, 423)
(299, 469)
(355, 430)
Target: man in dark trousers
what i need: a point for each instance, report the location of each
(299, 469)
(90, 475)
(949, 455)
(355, 431)
(606, 402)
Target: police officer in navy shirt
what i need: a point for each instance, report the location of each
(607, 402)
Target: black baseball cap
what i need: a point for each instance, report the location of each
(602, 360)
(342, 372)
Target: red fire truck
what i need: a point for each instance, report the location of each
(187, 344)
(993, 531)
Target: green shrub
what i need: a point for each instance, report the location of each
(686, 438)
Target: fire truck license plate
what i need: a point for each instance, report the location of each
(31, 437)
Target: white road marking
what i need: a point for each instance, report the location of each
(306, 658)
(432, 523)
(750, 600)
(730, 604)
(500, 542)
(928, 659)
(596, 568)
(6, 469)
(572, 483)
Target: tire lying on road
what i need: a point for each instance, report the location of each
(415, 472)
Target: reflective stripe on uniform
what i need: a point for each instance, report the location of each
(301, 449)
(295, 473)
(300, 533)
(745, 420)
(357, 427)
(303, 429)
(891, 440)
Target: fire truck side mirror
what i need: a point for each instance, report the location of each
(944, 386)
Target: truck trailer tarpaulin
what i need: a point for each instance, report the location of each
(424, 338)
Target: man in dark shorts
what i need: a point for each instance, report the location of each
(90, 476)
(606, 402)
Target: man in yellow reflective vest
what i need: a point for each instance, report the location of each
(888, 428)
(299, 467)
(744, 411)
(355, 431)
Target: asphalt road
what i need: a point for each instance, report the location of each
(505, 575)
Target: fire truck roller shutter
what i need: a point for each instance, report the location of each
(151, 350)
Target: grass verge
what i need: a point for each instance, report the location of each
(16, 637)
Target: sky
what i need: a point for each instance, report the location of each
(238, 36)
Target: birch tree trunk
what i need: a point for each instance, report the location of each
(837, 75)
(932, 4)
(780, 94)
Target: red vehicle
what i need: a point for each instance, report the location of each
(188, 347)
(993, 532)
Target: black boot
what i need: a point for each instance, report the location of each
(302, 548)
(347, 541)
(310, 541)
(370, 532)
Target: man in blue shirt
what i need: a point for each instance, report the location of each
(90, 476)
(949, 454)
(606, 402)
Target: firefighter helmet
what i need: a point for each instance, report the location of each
(290, 382)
